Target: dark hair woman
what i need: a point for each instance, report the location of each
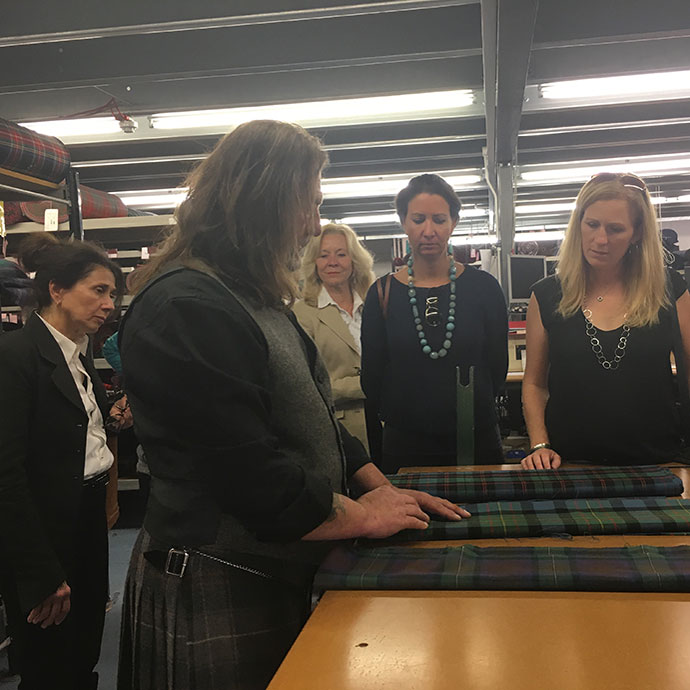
(419, 324)
(53, 467)
(233, 409)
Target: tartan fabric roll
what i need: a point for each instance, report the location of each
(576, 482)
(94, 204)
(579, 516)
(25, 151)
(627, 569)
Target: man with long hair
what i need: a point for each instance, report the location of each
(232, 403)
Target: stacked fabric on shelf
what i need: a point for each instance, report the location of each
(576, 482)
(25, 151)
(626, 569)
(569, 517)
(94, 204)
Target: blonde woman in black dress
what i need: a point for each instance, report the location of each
(598, 384)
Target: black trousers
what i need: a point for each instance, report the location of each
(63, 657)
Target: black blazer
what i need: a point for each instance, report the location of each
(42, 442)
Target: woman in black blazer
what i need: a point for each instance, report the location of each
(53, 468)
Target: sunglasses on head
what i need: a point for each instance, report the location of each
(626, 179)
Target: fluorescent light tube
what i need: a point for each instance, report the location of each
(457, 240)
(641, 167)
(396, 236)
(663, 85)
(539, 236)
(332, 188)
(379, 219)
(81, 126)
(389, 218)
(370, 109)
(345, 187)
(153, 198)
(528, 209)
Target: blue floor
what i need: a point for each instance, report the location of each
(121, 542)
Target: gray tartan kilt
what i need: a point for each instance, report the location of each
(216, 628)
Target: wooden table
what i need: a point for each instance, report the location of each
(475, 640)
(492, 641)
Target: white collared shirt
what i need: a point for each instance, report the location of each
(97, 456)
(354, 322)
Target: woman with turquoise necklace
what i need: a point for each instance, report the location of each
(419, 324)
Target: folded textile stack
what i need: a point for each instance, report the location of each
(25, 151)
(560, 518)
(627, 569)
(576, 482)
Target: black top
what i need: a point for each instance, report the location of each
(43, 427)
(195, 366)
(15, 285)
(411, 391)
(621, 416)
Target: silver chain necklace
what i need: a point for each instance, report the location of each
(592, 333)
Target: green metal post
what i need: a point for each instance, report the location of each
(465, 419)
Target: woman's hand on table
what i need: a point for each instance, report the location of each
(435, 505)
(542, 459)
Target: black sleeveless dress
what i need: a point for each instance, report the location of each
(623, 416)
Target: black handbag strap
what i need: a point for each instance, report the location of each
(679, 356)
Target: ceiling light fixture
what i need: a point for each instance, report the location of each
(543, 236)
(370, 186)
(458, 240)
(153, 198)
(538, 209)
(582, 173)
(392, 218)
(371, 109)
(662, 85)
(77, 127)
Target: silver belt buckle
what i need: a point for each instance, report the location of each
(176, 563)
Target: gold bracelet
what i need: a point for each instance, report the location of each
(539, 446)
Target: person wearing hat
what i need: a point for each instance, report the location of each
(669, 239)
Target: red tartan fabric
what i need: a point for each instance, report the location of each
(24, 151)
(94, 204)
(13, 213)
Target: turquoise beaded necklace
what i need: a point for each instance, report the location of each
(450, 324)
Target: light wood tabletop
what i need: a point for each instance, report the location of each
(492, 640)
(481, 640)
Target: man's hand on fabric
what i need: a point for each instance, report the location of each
(436, 506)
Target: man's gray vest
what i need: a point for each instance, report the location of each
(302, 420)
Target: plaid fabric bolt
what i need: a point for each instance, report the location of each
(628, 569)
(576, 482)
(579, 516)
(94, 204)
(24, 151)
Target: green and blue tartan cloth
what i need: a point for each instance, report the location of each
(575, 516)
(576, 482)
(626, 569)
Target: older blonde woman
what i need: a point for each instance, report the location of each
(598, 384)
(337, 274)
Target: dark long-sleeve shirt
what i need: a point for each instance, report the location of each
(414, 393)
(196, 371)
